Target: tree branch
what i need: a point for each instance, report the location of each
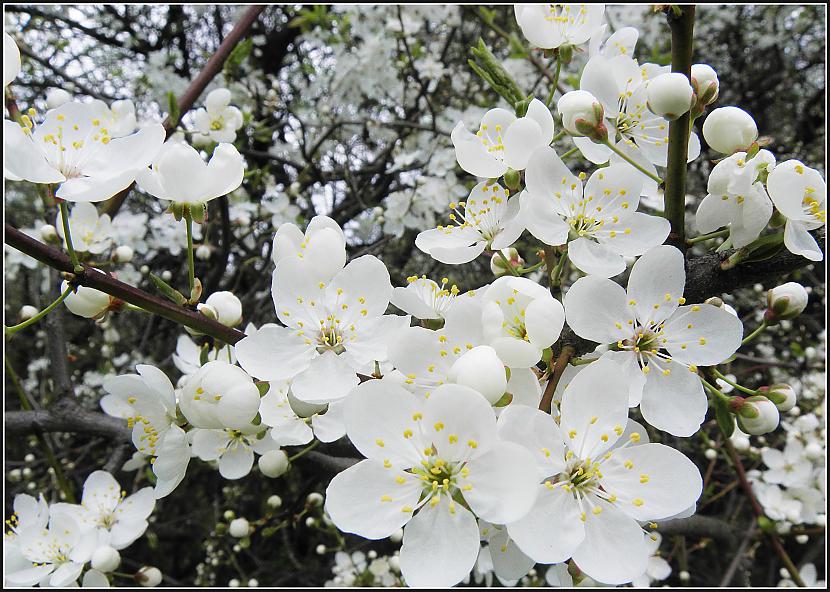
(105, 283)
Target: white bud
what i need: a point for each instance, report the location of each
(234, 583)
(229, 514)
(27, 312)
(729, 129)
(202, 252)
(274, 501)
(55, 97)
(783, 395)
(802, 539)
(377, 212)
(144, 269)
(239, 528)
(821, 520)
(481, 369)
(253, 583)
(395, 563)
(766, 416)
(711, 453)
(29, 458)
(786, 301)
(27, 472)
(123, 254)
(273, 463)
(397, 536)
(295, 187)
(320, 549)
(372, 554)
(311, 521)
(86, 302)
(49, 234)
(314, 499)
(166, 275)
(579, 105)
(148, 576)
(684, 576)
(705, 81)
(237, 548)
(670, 95)
(227, 306)
(106, 559)
(813, 451)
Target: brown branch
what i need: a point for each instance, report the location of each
(198, 85)
(93, 278)
(559, 367)
(66, 416)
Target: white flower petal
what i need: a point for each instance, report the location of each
(674, 403)
(658, 273)
(328, 378)
(800, 242)
(596, 309)
(534, 535)
(537, 432)
(459, 422)
(595, 258)
(702, 334)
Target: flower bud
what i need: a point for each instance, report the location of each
(670, 95)
(582, 115)
(49, 234)
(273, 463)
(499, 267)
(758, 415)
(729, 129)
(123, 254)
(105, 559)
(148, 576)
(783, 395)
(202, 252)
(208, 311)
(706, 84)
(481, 369)
(397, 536)
(314, 499)
(219, 395)
(786, 301)
(239, 528)
(87, 302)
(27, 312)
(55, 97)
(714, 301)
(274, 501)
(813, 451)
(227, 306)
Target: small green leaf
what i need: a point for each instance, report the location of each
(173, 109)
(168, 291)
(726, 422)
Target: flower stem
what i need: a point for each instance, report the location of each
(743, 389)
(714, 390)
(629, 160)
(15, 328)
(710, 236)
(761, 328)
(556, 274)
(555, 81)
(570, 152)
(311, 446)
(506, 261)
(191, 264)
(73, 256)
(525, 270)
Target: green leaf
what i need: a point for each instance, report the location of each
(726, 421)
(168, 291)
(239, 54)
(173, 109)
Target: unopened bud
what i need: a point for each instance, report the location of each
(499, 267)
(581, 114)
(148, 576)
(513, 180)
(239, 528)
(87, 302)
(273, 463)
(49, 234)
(670, 95)
(27, 312)
(729, 130)
(123, 254)
(55, 97)
(783, 395)
(758, 416)
(481, 369)
(274, 501)
(105, 559)
(706, 85)
(786, 301)
(714, 301)
(314, 499)
(227, 308)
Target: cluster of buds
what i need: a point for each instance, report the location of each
(499, 267)
(583, 115)
(784, 302)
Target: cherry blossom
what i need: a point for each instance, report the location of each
(553, 25)
(800, 194)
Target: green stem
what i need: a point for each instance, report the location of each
(582, 362)
(526, 270)
(73, 256)
(311, 446)
(570, 152)
(507, 263)
(559, 136)
(761, 328)
(14, 329)
(628, 159)
(556, 274)
(555, 81)
(710, 236)
(743, 389)
(191, 264)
